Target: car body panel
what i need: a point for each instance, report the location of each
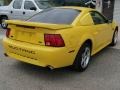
(34, 51)
(38, 55)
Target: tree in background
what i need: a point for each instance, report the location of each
(6, 2)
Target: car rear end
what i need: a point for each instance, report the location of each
(42, 40)
(36, 44)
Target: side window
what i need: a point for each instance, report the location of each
(29, 5)
(97, 18)
(17, 4)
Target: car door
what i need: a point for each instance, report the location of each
(102, 27)
(16, 11)
(30, 9)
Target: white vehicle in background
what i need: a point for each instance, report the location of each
(22, 10)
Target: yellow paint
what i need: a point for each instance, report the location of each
(27, 44)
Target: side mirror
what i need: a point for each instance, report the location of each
(33, 8)
(110, 21)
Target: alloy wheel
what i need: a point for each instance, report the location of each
(85, 57)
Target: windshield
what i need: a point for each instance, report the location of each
(56, 16)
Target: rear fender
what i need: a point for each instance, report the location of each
(83, 39)
(114, 25)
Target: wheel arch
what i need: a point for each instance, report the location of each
(90, 41)
(117, 28)
(2, 16)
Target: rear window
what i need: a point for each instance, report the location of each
(56, 16)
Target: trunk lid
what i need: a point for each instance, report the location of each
(32, 32)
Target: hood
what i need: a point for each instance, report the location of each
(3, 8)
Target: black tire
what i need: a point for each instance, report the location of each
(77, 65)
(3, 24)
(115, 38)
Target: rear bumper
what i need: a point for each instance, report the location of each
(38, 55)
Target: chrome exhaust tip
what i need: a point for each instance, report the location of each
(50, 67)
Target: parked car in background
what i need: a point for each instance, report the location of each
(83, 3)
(22, 9)
(59, 37)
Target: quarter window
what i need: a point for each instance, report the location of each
(17, 4)
(98, 18)
(28, 5)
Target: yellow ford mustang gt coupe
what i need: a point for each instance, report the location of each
(60, 37)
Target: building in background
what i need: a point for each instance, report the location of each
(108, 8)
(117, 11)
(99, 5)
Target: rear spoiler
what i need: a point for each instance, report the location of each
(37, 24)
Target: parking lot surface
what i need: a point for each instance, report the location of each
(102, 74)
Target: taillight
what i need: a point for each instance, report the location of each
(8, 32)
(54, 40)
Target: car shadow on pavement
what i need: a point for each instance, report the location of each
(100, 63)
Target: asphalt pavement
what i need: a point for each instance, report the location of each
(102, 74)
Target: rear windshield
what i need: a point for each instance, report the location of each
(56, 16)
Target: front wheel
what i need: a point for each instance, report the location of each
(83, 58)
(3, 23)
(115, 38)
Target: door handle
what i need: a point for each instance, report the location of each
(23, 12)
(11, 12)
